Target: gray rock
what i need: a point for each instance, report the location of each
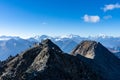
(47, 62)
(98, 58)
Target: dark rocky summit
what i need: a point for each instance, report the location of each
(46, 61)
(90, 60)
(98, 58)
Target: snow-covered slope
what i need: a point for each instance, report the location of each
(13, 45)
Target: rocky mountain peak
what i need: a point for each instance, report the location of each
(49, 44)
(46, 62)
(91, 61)
(86, 48)
(47, 41)
(98, 58)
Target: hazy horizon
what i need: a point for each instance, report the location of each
(61, 36)
(28, 18)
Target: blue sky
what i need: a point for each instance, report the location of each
(27, 18)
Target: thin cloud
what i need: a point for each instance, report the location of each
(111, 7)
(92, 19)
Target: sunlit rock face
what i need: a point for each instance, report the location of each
(46, 61)
(98, 58)
(86, 49)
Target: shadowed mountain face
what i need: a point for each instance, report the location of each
(117, 54)
(98, 58)
(46, 62)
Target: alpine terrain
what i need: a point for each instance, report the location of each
(98, 58)
(90, 60)
(46, 61)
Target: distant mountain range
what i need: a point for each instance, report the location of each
(89, 60)
(14, 45)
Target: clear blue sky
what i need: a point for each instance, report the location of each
(27, 18)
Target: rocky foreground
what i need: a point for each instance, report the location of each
(88, 61)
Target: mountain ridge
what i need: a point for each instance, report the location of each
(9, 44)
(46, 61)
(99, 58)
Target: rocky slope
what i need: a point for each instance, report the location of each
(46, 61)
(98, 58)
(14, 45)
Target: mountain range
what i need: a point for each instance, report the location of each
(11, 46)
(89, 60)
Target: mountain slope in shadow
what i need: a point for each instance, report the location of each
(46, 61)
(98, 58)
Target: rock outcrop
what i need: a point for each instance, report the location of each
(98, 58)
(46, 62)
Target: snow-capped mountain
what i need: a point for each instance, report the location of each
(107, 41)
(42, 37)
(67, 42)
(13, 45)
(3, 38)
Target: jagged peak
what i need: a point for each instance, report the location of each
(89, 42)
(86, 48)
(49, 44)
(47, 41)
(92, 50)
(46, 62)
